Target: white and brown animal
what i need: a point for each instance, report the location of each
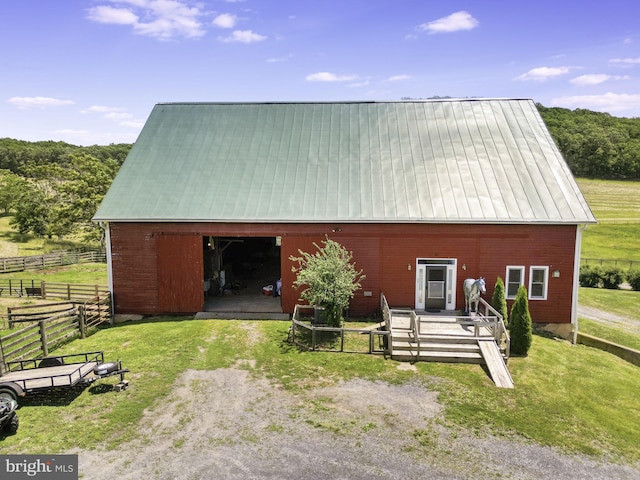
(472, 290)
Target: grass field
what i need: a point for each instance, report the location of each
(572, 397)
(616, 206)
(15, 244)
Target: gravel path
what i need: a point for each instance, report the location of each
(226, 424)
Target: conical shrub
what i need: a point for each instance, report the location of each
(499, 300)
(520, 324)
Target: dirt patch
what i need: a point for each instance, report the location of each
(228, 424)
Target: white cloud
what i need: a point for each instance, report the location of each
(625, 61)
(38, 102)
(543, 73)
(286, 58)
(608, 102)
(225, 20)
(101, 109)
(595, 79)
(132, 124)
(163, 19)
(455, 22)
(398, 78)
(117, 116)
(117, 16)
(329, 77)
(244, 36)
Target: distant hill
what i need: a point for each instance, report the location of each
(596, 145)
(17, 155)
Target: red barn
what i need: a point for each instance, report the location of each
(424, 193)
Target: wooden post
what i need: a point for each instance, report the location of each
(43, 338)
(9, 310)
(81, 321)
(43, 292)
(68, 291)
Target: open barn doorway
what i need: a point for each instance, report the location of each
(241, 274)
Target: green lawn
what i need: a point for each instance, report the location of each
(15, 244)
(616, 206)
(81, 273)
(573, 397)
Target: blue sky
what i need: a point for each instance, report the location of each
(90, 71)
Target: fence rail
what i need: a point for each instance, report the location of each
(41, 335)
(38, 288)
(611, 262)
(55, 259)
(307, 334)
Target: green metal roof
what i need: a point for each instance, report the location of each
(456, 161)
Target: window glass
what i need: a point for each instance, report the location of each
(538, 283)
(515, 278)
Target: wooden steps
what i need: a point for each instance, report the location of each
(451, 340)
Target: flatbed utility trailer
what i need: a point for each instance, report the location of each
(63, 371)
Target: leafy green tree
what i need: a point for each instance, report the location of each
(11, 187)
(499, 300)
(32, 210)
(85, 184)
(520, 324)
(329, 279)
(61, 199)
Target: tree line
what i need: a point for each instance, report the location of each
(54, 188)
(596, 145)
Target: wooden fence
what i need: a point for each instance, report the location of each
(308, 334)
(44, 332)
(623, 264)
(55, 259)
(46, 290)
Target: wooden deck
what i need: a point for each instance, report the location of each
(449, 338)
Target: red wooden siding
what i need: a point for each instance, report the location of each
(387, 254)
(180, 273)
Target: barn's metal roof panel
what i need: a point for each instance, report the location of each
(457, 161)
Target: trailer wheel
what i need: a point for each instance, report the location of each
(105, 368)
(12, 426)
(8, 394)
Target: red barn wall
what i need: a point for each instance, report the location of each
(387, 253)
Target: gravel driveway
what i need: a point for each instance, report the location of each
(226, 424)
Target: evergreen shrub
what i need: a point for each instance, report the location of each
(520, 324)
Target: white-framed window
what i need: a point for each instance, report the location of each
(514, 278)
(538, 282)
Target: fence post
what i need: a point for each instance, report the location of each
(43, 292)
(81, 321)
(43, 338)
(68, 291)
(9, 317)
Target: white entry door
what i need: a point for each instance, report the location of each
(435, 284)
